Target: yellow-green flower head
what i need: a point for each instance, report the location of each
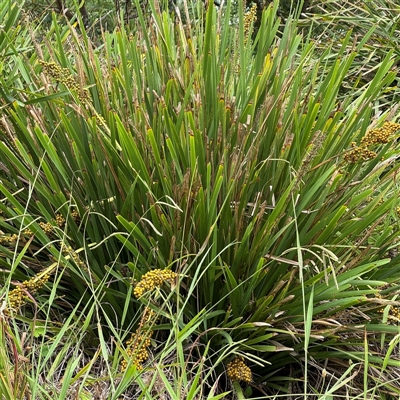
(249, 18)
(380, 135)
(394, 312)
(20, 295)
(75, 215)
(139, 342)
(153, 279)
(60, 220)
(64, 76)
(239, 371)
(376, 136)
(137, 350)
(47, 227)
(357, 154)
(8, 239)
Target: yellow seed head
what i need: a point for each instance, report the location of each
(9, 239)
(137, 350)
(239, 371)
(75, 216)
(20, 295)
(75, 257)
(63, 75)
(376, 136)
(153, 279)
(60, 220)
(139, 342)
(249, 18)
(380, 135)
(28, 232)
(357, 154)
(47, 227)
(395, 312)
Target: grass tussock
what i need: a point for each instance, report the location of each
(202, 204)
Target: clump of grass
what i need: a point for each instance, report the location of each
(225, 164)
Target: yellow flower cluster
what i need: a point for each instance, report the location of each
(380, 135)
(358, 153)
(78, 262)
(239, 371)
(19, 296)
(137, 350)
(47, 227)
(8, 239)
(249, 18)
(28, 232)
(394, 313)
(75, 216)
(138, 344)
(63, 75)
(153, 279)
(60, 220)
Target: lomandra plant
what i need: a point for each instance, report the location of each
(332, 20)
(227, 164)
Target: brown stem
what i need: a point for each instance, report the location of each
(65, 11)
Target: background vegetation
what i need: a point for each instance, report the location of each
(199, 203)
